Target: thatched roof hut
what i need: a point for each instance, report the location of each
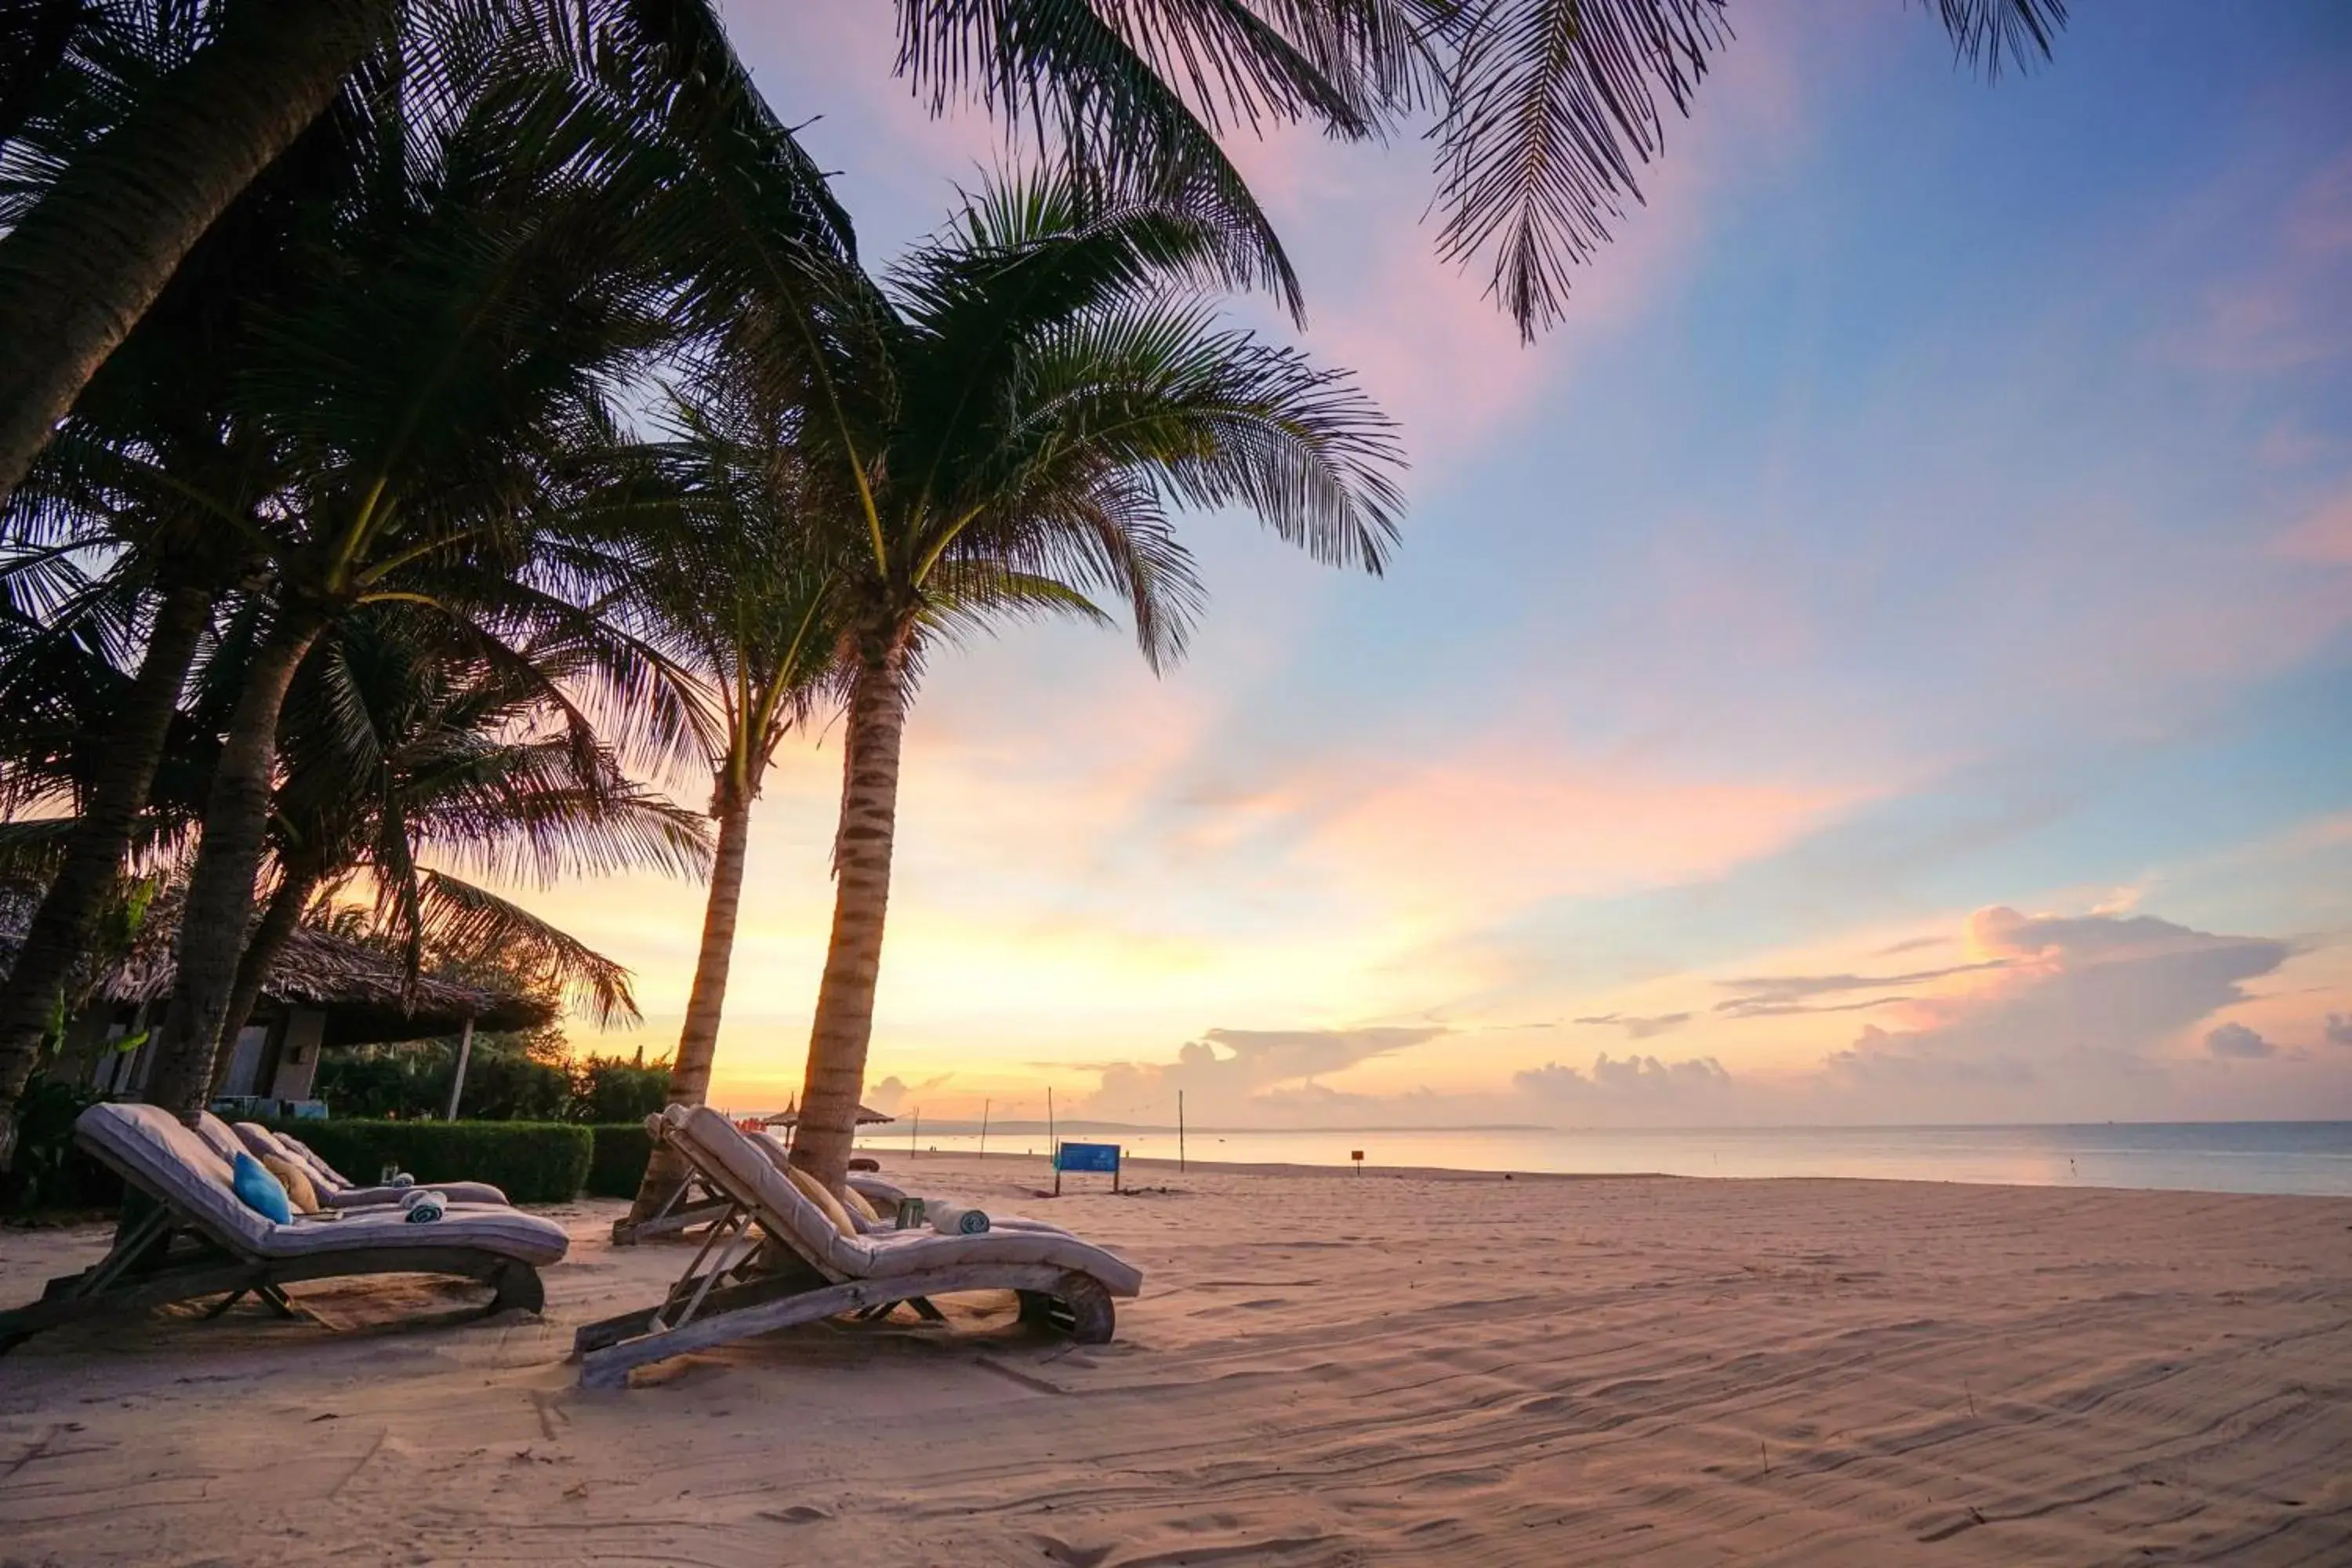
(367, 998)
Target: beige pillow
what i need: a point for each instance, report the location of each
(817, 1193)
(858, 1203)
(296, 1180)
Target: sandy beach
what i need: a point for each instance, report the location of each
(1323, 1369)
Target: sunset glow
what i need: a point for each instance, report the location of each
(1885, 658)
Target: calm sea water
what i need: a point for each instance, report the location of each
(2223, 1157)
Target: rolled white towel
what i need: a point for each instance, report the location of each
(403, 1180)
(954, 1219)
(425, 1205)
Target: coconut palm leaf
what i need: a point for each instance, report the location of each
(457, 916)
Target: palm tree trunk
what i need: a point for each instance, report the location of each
(82, 269)
(60, 931)
(698, 1043)
(861, 869)
(253, 971)
(219, 901)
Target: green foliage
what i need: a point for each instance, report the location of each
(624, 1149)
(51, 1171)
(506, 1081)
(610, 1089)
(503, 1082)
(531, 1162)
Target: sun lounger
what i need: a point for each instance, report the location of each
(807, 1270)
(335, 1191)
(192, 1236)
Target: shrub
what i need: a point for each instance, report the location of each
(614, 1090)
(502, 1084)
(51, 1171)
(618, 1165)
(531, 1162)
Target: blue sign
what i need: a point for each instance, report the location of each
(1102, 1157)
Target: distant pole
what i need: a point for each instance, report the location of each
(914, 1131)
(465, 1055)
(1049, 1116)
(983, 1128)
(1179, 1132)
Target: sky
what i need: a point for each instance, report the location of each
(1885, 657)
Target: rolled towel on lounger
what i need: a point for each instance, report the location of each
(954, 1219)
(425, 1205)
(402, 1180)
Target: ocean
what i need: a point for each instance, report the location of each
(2314, 1157)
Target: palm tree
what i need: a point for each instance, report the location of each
(401, 743)
(1003, 424)
(78, 268)
(1548, 106)
(740, 593)
(152, 475)
(478, 295)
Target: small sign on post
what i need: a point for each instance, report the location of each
(1357, 1156)
(1100, 1158)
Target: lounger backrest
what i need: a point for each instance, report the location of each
(154, 1150)
(263, 1144)
(321, 1171)
(219, 1137)
(730, 1160)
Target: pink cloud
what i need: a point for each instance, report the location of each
(2324, 535)
(1491, 829)
(2288, 309)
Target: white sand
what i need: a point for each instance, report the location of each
(1323, 1369)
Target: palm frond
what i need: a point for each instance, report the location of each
(454, 915)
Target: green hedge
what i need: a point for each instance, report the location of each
(618, 1165)
(531, 1162)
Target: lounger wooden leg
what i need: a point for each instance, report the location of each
(1077, 1306)
(925, 1311)
(224, 1304)
(276, 1300)
(516, 1284)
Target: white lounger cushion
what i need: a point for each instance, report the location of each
(719, 1147)
(219, 1137)
(170, 1158)
(260, 1141)
(886, 1195)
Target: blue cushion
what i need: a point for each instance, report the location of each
(263, 1193)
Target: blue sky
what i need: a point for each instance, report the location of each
(1923, 558)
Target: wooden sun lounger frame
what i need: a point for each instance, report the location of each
(161, 1254)
(766, 1286)
(692, 1202)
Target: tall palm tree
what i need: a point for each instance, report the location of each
(400, 743)
(479, 295)
(151, 474)
(740, 593)
(1005, 424)
(1546, 107)
(78, 268)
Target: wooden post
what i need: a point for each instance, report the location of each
(465, 1055)
(913, 1132)
(983, 1127)
(1049, 1116)
(1179, 1132)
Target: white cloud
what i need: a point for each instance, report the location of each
(2235, 1042)
(1239, 1073)
(1637, 1027)
(1634, 1076)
